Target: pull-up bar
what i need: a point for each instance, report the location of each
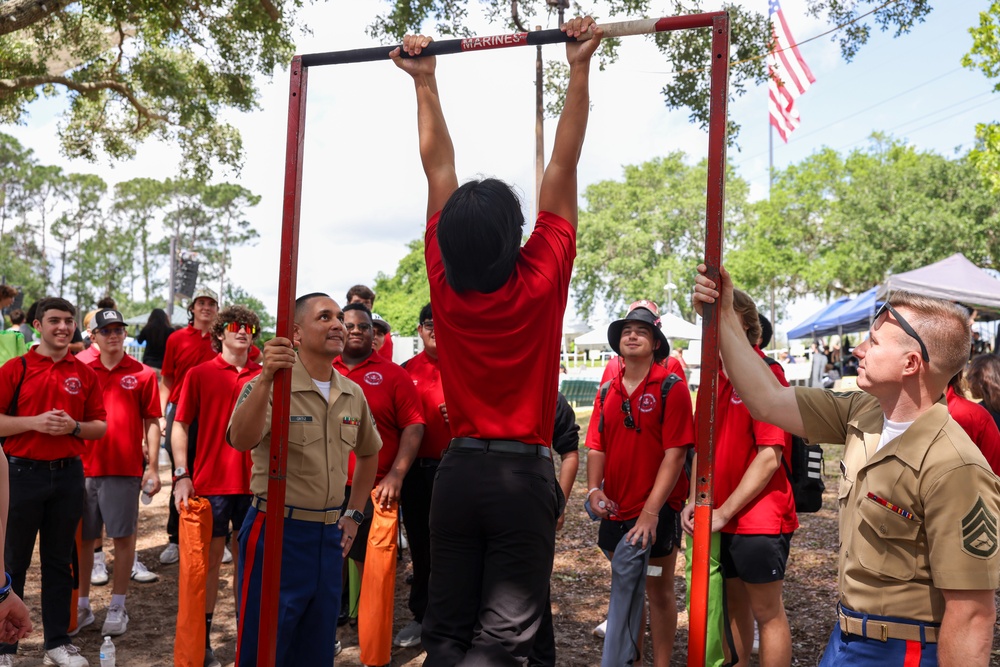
(288, 269)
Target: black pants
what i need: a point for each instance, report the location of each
(493, 523)
(415, 498)
(173, 519)
(47, 503)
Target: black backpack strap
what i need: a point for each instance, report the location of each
(603, 394)
(665, 387)
(12, 408)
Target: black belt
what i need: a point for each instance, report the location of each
(32, 464)
(427, 463)
(500, 447)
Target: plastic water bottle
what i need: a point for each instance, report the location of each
(107, 653)
(147, 489)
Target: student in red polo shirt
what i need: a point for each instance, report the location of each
(498, 313)
(113, 466)
(419, 483)
(383, 339)
(639, 457)
(185, 349)
(754, 509)
(976, 421)
(218, 473)
(58, 406)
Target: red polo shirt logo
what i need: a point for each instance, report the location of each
(373, 378)
(129, 382)
(736, 400)
(72, 385)
(647, 402)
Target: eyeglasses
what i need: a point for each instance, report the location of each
(363, 328)
(111, 331)
(905, 326)
(627, 409)
(236, 327)
(428, 325)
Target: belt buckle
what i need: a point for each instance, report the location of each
(884, 632)
(331, 517)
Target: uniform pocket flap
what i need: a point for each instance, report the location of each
(887, 523)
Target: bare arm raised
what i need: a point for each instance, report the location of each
(558, 192)
(760, 390)
(437, 153)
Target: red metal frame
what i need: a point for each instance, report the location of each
(707, 434)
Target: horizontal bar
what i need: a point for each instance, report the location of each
(553, 36)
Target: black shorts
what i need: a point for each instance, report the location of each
(668, 533)
(229, 510)
(755, 559)
(360, 545)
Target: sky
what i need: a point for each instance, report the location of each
(364, 193)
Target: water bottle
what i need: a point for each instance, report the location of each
(146, 490)
(107, 653)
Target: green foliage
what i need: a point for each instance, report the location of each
(236, 295)
(138, 68)
(985, 56)
(400, 296)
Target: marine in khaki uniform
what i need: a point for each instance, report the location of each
(919, 506)
(329, 419)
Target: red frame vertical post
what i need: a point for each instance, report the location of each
(708, 389)
(282, 391)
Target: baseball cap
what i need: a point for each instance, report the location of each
(381, 323)
(106, 317)
(202, 292)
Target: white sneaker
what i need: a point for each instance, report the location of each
(84, 617)
(116, 622)
(66, 655)
(601, 629)
(170, 555)
(6, 660)
(408, 636)
(141, 574)
(99, 573)
(227, 556)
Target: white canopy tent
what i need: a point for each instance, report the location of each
(955, 279)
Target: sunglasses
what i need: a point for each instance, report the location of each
(363, 328)
(627, 410)
(111, 331)
(236, 327)
(905, 326)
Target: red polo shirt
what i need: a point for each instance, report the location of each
(393, 401)
(611, 371)
(131, 395)
(501, 370)
(632, 456)
(426, 376)
(386, 349)
(978, 423)
(186, 349)
(209, 396)
(773, 510)
(48, 385)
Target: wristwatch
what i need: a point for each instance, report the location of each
(355, 515)
(76, 431)
(180, 473)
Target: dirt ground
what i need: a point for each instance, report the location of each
(580, 584)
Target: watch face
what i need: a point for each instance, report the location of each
(180, 471)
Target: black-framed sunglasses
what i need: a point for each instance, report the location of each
(905, 326)
(627, 410)
(364, 327)
(428, 325)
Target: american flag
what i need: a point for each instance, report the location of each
(789, 75)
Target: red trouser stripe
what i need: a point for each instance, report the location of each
(913, 651)
(258, 525)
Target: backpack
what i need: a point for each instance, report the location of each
(806, 472)
(665, 387)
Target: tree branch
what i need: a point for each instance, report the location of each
(7, 86)
(271, 10)
(18, 14)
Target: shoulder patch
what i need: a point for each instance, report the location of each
(979, 531)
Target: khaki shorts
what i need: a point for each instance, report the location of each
(111, 502)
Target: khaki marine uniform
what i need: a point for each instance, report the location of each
(932, 523)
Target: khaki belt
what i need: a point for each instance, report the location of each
(314, 516)
(886, 630)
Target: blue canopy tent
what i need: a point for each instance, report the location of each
(805, 329)
(843, 316)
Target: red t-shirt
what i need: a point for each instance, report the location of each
(386, 350)
(210, 393)
(393, 401)
(131, 395)
(611, 371)
(978, 423)
(426, 375)
(186, 349)
(632, 456)
(501, 370)
(48, 385)
(773, 510)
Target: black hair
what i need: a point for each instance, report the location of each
(362, 291)
(766, 331)
(156, 330)
(479, 234)
(303, 301)
(52, 303)
(425, 314)
(359, 306)
(16, 317)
